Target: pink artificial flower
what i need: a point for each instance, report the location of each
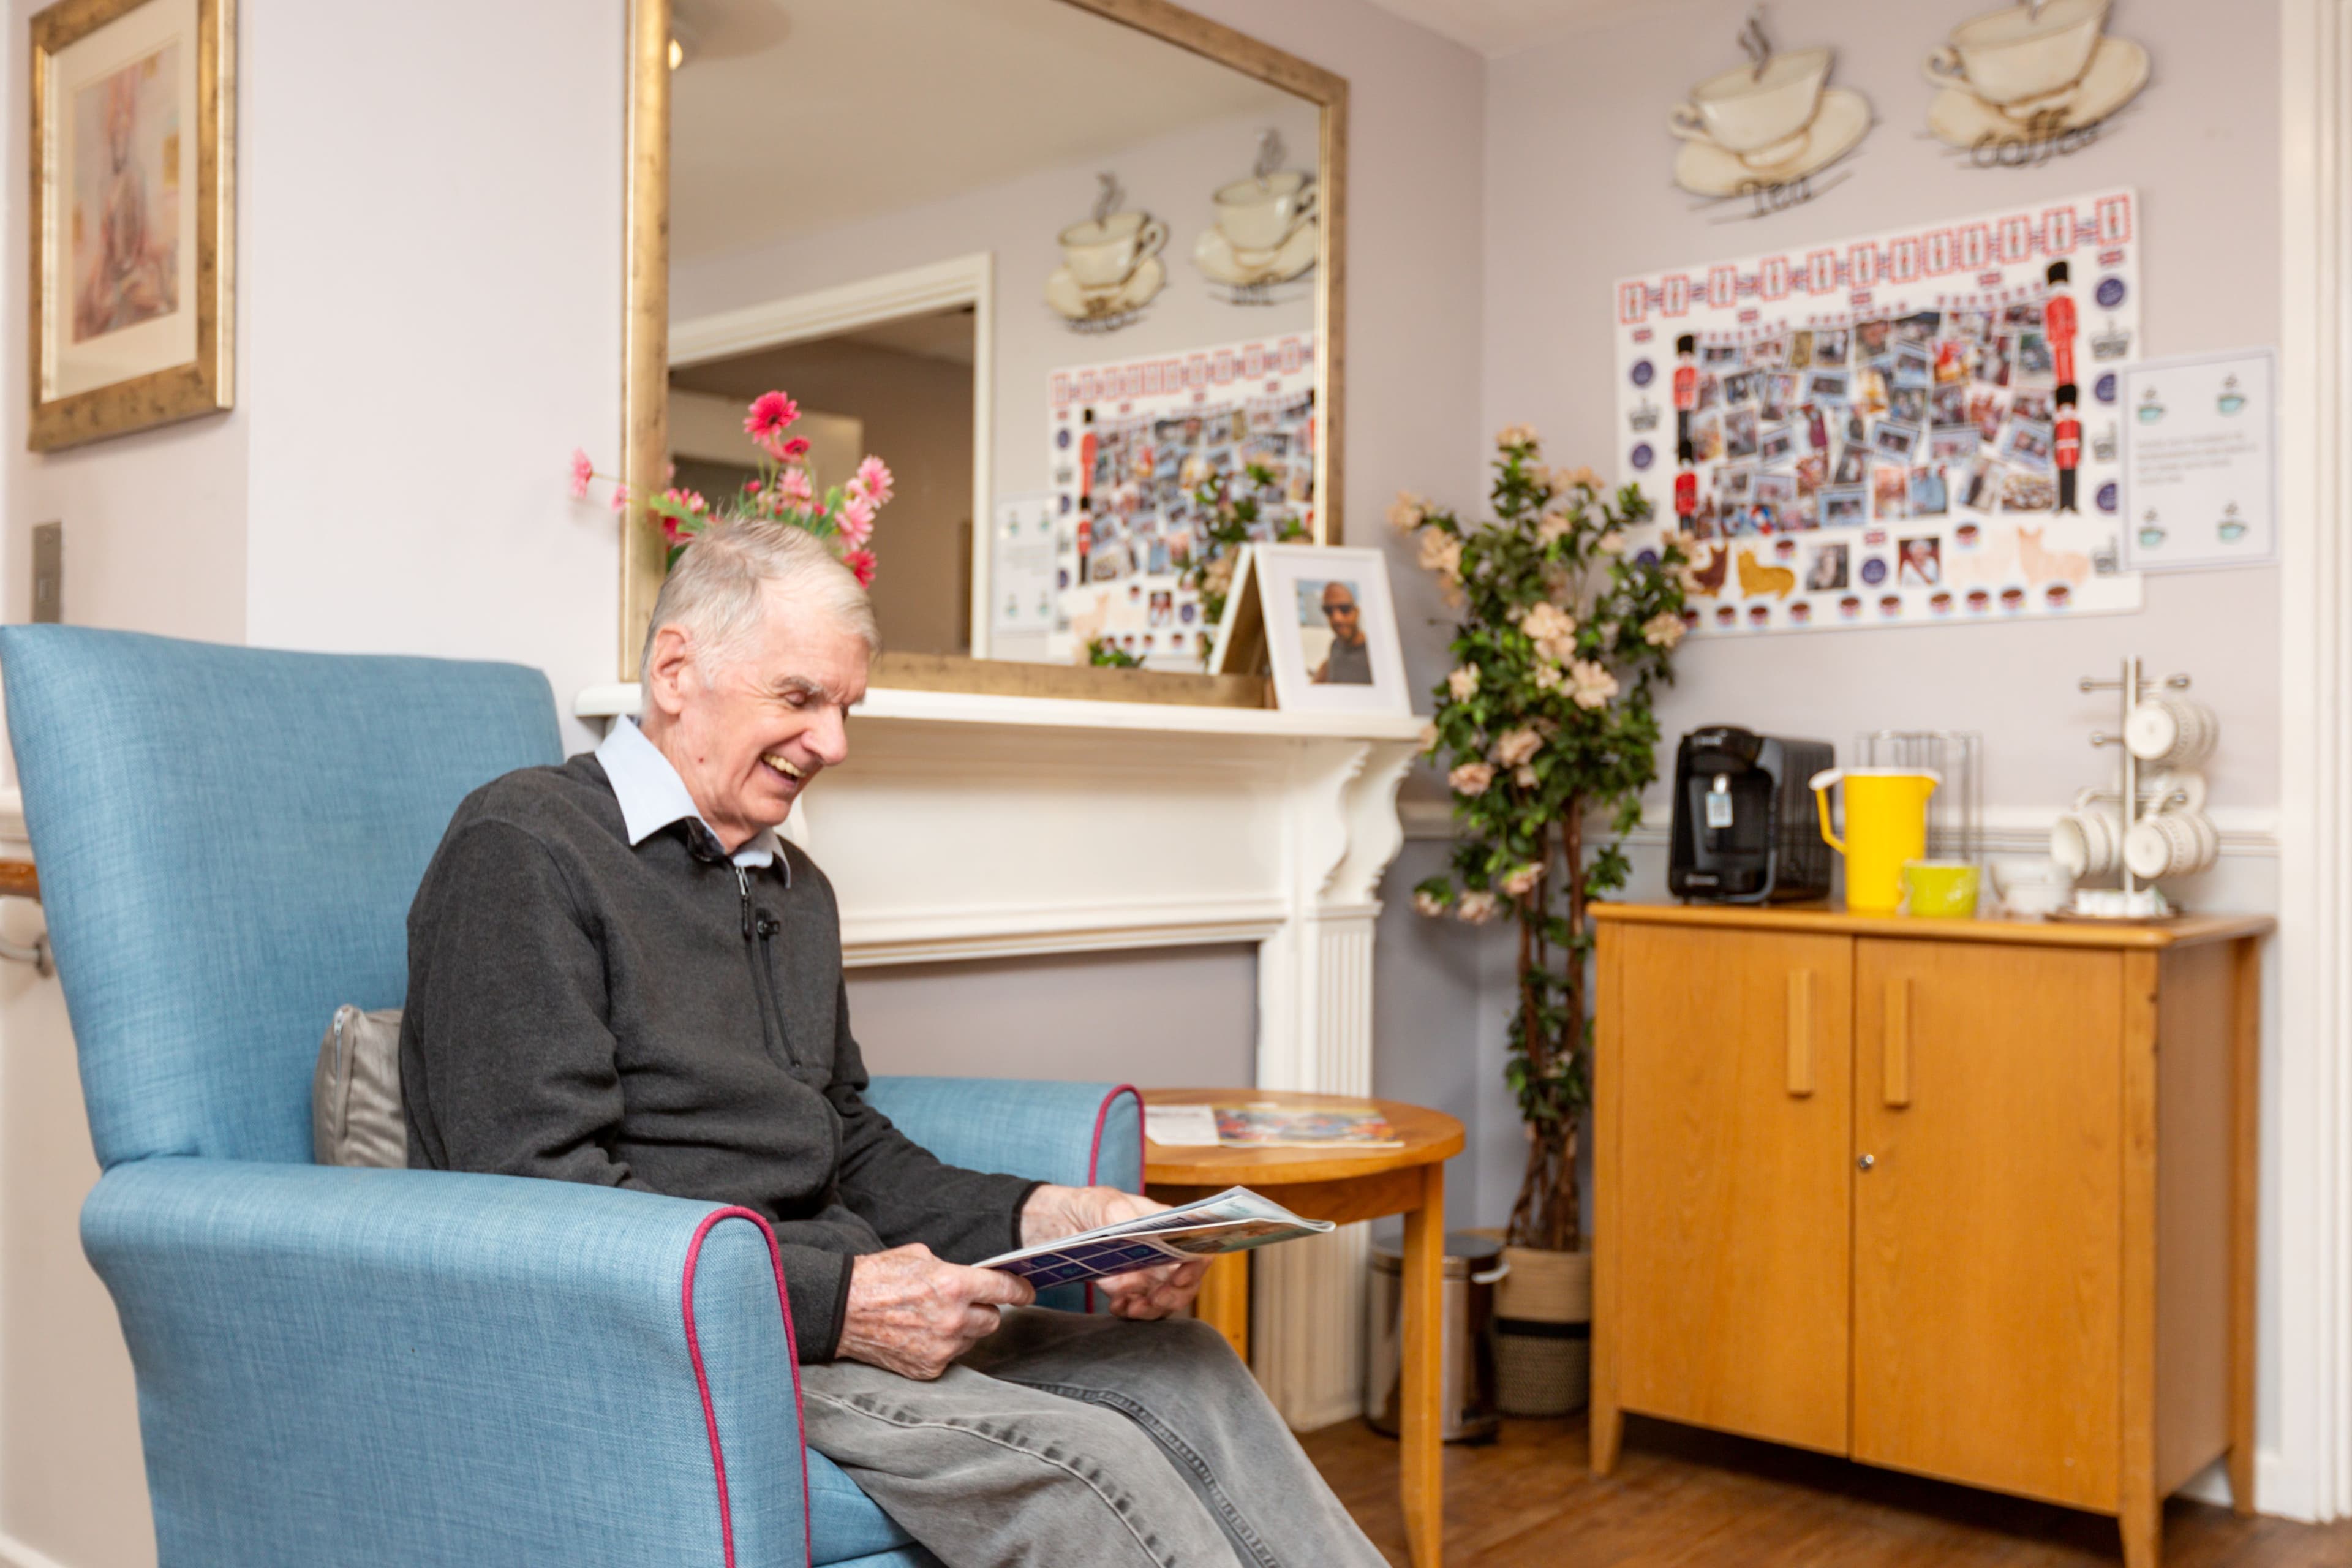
(768, 413)
(583, 470)
(857, 519)
(794, 450)
(793, 485)
(619, 498)
(875, 476)
(690, 499)
(861, 562)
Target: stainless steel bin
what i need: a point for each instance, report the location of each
(1474, 1265)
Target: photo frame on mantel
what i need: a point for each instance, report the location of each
(132, 285)
(647, 357)
(1321, 622)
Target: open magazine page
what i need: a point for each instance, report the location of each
(1232, 1221)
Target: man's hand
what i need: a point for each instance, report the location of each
(1053, 1213)
(912, 1314)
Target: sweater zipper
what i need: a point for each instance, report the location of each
(761, 924)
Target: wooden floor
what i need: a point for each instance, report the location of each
(1686, 1498)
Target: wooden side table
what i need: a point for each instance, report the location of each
(1342, 1185)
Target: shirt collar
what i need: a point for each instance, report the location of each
(653, 796)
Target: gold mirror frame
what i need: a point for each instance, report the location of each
(646, 350)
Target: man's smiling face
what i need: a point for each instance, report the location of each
(748, 727)
(1341, 614)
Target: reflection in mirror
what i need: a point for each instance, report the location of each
(901, 386)
(1059, 272)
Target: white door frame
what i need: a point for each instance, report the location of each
(825, 312)
(2305, 1472)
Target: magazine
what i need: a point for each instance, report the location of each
(1233, 1220)
(1318, 1126)
(1263, 1125)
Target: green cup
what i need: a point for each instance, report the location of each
(1940, 890)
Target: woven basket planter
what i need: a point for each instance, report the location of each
(1543, 1356)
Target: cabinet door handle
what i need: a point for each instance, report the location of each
(1801, 1033)
(1897, 1074)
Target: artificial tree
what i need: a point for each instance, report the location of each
(1545, 721)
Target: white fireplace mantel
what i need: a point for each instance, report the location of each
(967, 826)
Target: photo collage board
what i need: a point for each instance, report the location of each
(1913, 426)
(1131, 442)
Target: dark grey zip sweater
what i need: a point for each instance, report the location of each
(648, 1017)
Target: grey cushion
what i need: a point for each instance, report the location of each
(355, 1115)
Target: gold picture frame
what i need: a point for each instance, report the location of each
(132, 304)
(646, 350)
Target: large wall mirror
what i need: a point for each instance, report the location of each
(1058, 262)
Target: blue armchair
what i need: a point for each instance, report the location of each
(412, 1367)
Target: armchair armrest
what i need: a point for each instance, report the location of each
(1072, 1134)
(344, 1366)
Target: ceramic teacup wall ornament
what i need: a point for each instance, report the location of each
(1110, 264)
(2032, 81)
(1265, 231)
(1763, 130)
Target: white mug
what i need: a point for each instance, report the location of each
(1103, 255)
(1259, 215)
(2171, 731)
(2032, 887)
(2019, 59)
(2209, 839)
(2167, 843)
(1758, 114)
(2087, 841)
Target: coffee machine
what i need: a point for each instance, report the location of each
(1746, 830)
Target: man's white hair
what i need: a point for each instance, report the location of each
(714, 593)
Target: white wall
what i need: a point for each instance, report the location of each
(432, 290)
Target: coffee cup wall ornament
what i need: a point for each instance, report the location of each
(1110, 265)
(1771, 123)
(1264, 230)
(2033, 74)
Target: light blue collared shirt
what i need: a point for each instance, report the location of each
(653, 796)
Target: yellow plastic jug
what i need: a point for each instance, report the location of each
(1885, 824)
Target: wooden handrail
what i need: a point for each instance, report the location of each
(18, 879)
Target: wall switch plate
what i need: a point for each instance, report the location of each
(48, 572)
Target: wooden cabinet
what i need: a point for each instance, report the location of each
(1967, 1199)
(1747, 1081)
(1987, 1229)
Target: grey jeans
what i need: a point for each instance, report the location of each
(1062, 1439)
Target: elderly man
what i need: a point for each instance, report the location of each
(619, 973)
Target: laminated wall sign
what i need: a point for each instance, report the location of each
(1132, 442)
(1915, 425)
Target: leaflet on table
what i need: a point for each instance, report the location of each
(1233, 1220)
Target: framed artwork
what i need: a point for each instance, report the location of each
(132, 284)
(1330, 627)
